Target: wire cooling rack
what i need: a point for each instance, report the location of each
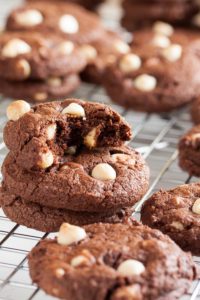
(155, 136)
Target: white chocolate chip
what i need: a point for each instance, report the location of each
(121, 47)
(90, 139)
(65, 48)
(161, 41)
(121, 158)
(51, 132)
(24, 67)
(194, 137)
(55, 291)
(60, 272)
(40, 96)
(71, 150)
(74, 109)
(17, 109)
(29, 18)
(104, 171)
(131, 267)
(70, 234)
(54, 81)
(46, 160)
(177, 200)
(196, 20)
(78, 261)
(130, 63)
(89, 52)
(196, 207)
(69, 24)
(172, 53)
(163, 28)
(132, 292)
(177, 225)
(15, 47)
(145, 83)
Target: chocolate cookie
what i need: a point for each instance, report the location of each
(177, 213)
(154, 76)
(103, 180)
(195, 111)
(189, 155)
(111, 261)
(40, 91)
(48, 219)
(142, 13)
(101, 53)
(50, 129)
(89, 4)
(25, 55)
(64, 19)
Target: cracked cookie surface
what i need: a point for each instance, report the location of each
(100, 180)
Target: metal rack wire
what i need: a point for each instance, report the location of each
(155, 136)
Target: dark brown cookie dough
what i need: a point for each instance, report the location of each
(101, 53)
(142, 13)
(92, 181)
(189, 154)
(48, 219)
(176, 213)
(111, 261)
(40, 91)
(65, 19)
(195, 111)
(54, 127)
(28, 55)
(155, 76)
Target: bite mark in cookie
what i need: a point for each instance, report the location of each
(75, 123)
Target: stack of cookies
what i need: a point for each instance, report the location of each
(38, 67)
(46, 45)
(40, 54)
(68, 163)
(143, 13)
(154, 75)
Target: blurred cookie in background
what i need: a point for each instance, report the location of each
(89, 4)
(38, 67)
(195, 111)
(68, 20)
(100, 54)
(143, 13)
(154, 76)
(40, 90)
(189, 154)
(25, 55)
